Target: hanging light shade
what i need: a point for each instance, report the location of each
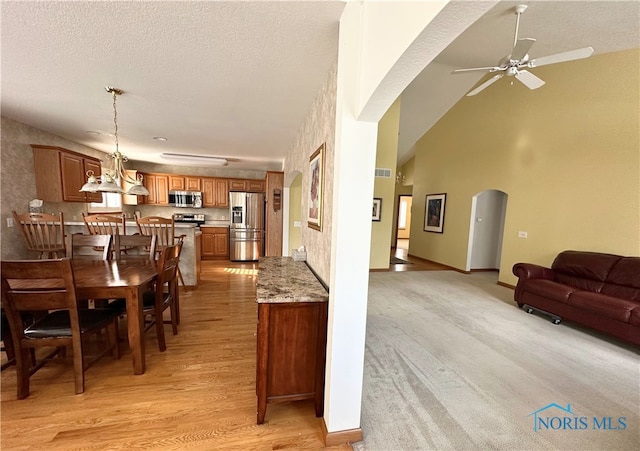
(117, 169)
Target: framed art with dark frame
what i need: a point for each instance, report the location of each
(316, 173)
(434, 213)
(377, 207)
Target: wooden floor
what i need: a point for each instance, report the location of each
(199, 394)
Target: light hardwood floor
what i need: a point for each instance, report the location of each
(199, 394)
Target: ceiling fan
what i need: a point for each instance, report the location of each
(517, 63)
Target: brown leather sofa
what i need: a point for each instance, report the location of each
(600, 291)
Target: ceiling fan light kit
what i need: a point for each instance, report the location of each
(515, 64)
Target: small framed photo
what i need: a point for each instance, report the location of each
(377, 207)
(434, 213)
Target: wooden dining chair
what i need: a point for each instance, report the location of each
(48, 287)
(81, 246)
(161, 297)
(134, 247)
(42, 233)
(105, 224)
(164, 229)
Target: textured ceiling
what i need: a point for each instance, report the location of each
(236, 79)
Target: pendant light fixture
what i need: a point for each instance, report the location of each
(117, 169)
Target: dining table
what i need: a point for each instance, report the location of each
(119, 279)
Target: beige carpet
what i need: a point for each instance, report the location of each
(452, 364)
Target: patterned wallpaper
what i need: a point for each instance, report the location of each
(18, 186)
(318, 128)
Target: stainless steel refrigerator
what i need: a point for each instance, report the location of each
(246, 232)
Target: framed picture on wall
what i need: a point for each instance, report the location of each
(316, 170)
(377, 206)
(434, 212)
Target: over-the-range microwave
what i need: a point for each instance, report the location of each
(185, 199)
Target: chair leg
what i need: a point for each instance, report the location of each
(162, 345)
(174, 317)
(78, 367)
(180, 277)
(23, 371)
(113, 338)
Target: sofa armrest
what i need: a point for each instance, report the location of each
(526, 271)
(531, 271)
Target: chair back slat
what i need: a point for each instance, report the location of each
(89, 246)
(105, 224)
(42, 232)
(37, 285)
(161, 227)
(135, 246)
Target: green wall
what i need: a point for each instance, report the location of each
(567, 155)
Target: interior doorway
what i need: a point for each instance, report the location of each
(403, 225)
(488, 213)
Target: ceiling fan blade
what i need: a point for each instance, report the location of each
(561, 57)
(522, 48)
(490, 69)
(486, 84)
(529, 80)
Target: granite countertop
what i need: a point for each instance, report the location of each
(216, 223)
(132, 222)
(282, 279)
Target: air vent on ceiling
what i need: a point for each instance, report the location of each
(383, 172)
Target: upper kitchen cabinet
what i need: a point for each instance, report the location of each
(184, 183)
(158, 186)
(60, 173)
(254, 186)
(215, 192)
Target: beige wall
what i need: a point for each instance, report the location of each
(567, 155)
(386, 155)
(319, 127)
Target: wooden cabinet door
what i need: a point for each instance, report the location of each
(208, 193)
(90, 165)
(149, 182)
(208, 245)
(255, 186)
(176, 182)
(72, 173)
(162, 190)
(222, 193)
(221, 245)
(237, 185)
(192, 184)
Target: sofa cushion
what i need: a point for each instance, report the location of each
(549, 289)
(607, 306)
(626, 272)
(585, 265)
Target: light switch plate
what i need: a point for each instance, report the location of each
(10, 222)
(522, 234)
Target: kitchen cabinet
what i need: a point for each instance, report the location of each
(192, 184)
(215, 243)
(158, 186)
(249, 185)
(60, 173)
(291, 334)
(215, 192)
(273, 213)
(176, 182)
(256, 186)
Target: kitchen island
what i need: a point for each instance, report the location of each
(292, 334)
(188, 264)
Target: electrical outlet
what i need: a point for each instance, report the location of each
(522, 234)
(10, 222)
